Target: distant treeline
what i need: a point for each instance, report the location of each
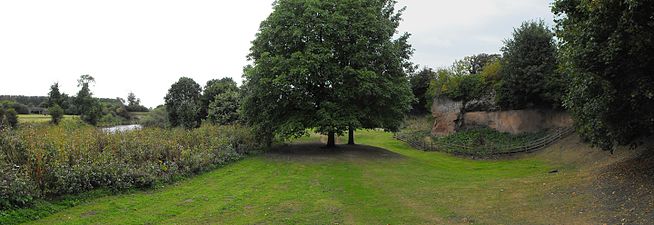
(41, 101)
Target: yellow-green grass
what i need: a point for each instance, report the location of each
(38, 118)
(344, 186)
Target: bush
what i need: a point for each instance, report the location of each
(11, 117)
(56, 113)
(38, 161)
(157, 117)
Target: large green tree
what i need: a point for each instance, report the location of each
(608, 49)
(183, 103)
(329, 65)
(529, 70)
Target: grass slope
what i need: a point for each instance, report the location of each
(304, 184)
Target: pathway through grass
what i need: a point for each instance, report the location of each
(362, 185)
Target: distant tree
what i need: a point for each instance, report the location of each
(183, 103)
(134, 104)
(529, 69)
(492, 71)
(88, 107)
(11, 117)
(54, 96)
(224, 108)
(474, 64)
(333, 65)
(56, 113)
(214, 88)
(419, 86)
(608, 49)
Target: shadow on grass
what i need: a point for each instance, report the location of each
(316, 152)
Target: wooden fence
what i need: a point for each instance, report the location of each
(557, 134)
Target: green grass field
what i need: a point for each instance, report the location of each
(37, 118)
(305, 184)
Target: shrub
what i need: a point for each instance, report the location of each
(157, 117)
(48, 161)
(56, 113)
(11, 117)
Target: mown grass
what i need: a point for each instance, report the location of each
(350, 187)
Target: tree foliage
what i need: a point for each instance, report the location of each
(212, 89)
(328, 65)
(224, 108)
(87, 106)
(183, 103)
(608, 49)
(56, 113)
(529, 76)
(419, 86)
(134, 104)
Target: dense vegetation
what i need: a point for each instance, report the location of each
(608, 49)
(43, 161)
(524, 76)
(331, 65)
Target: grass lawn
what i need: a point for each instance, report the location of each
(38, 118)
(305, 184)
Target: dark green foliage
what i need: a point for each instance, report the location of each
(20, 108)
(327, 65)
(134, 104)
(89, 108)
(529, 70)
(54, 96)
(608, 49)
(158, 117)
(38, 162)
(214, 88)
(224, 108)
(56, 113)
(25, 100)
(11, 117)
(419, 86)
(183, 103)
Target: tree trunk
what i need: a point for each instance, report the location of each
(350, 136)
(331, 140)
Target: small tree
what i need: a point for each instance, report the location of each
(56, 113)
(224, 109)
(183, 103)
(12, 117)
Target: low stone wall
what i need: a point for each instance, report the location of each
(518, 121)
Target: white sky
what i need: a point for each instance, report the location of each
(144, 46)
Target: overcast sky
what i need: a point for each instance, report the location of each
(145, 46)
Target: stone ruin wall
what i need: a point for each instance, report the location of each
(448, 119)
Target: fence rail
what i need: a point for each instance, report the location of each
(557, 134)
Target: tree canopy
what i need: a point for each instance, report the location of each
(183, 103)
(529, 75)
(608, 49)
(329, 65)
(212, 89)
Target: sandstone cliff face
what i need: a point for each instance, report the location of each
(448, 119)
(446, 113)
(518, 121)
